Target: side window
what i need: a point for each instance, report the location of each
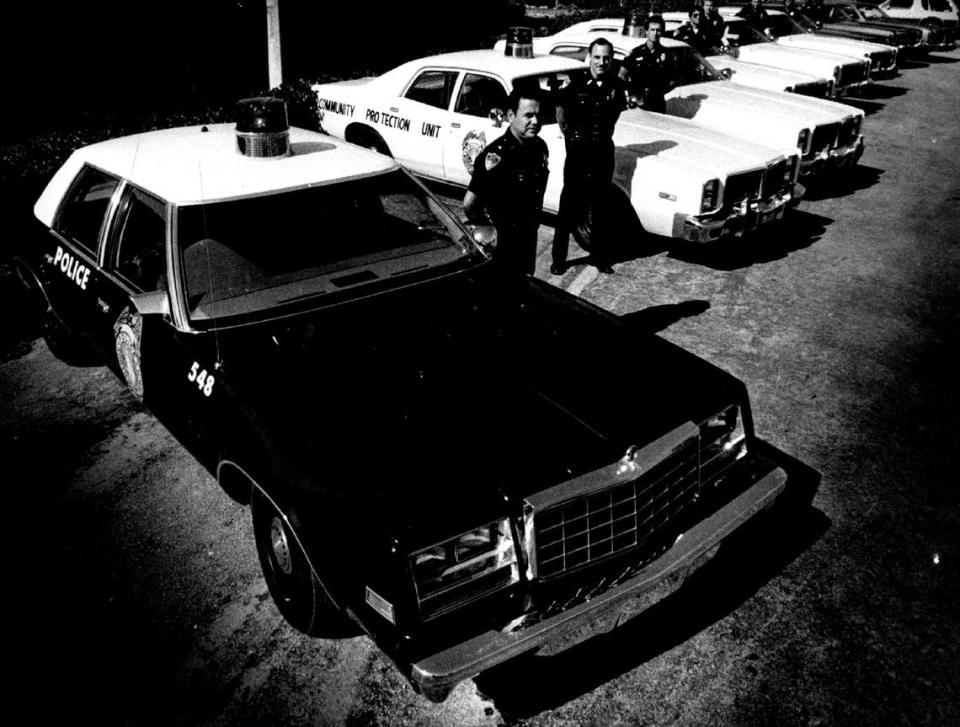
(434, 88)
(480, 94)
(925, 4)
(141, 241)
(83, 211)
(939, 6)
(576, 52)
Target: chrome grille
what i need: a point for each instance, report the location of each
(824, 137)
(848, 132)
(773, 179)
(883, 60)
(818, 89)
(600, 525)
(742, 186)
(583, 522)
(853, 73)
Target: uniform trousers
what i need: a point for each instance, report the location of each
(587, 173)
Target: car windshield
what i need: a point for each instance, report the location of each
(742, 33)
(785, 25)
(872, 12)
(691, 67)
(248, 255)
(549, 84)
(845, 12)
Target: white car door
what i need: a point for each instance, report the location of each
(479, 117)
(413, 128)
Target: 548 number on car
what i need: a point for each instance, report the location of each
(201, 378)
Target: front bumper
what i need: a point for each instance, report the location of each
(845, 156)
(437, 673)
(743, 218)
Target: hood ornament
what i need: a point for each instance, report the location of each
(628, 462)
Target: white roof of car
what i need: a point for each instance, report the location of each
(620, 42)
(495, 61)
(195, 164)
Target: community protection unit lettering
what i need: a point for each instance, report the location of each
(337, 107)
(389, 120)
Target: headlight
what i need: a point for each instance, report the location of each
(723, 439)
(711, 193)
(465, 567)
(803, 140)
(791, 170)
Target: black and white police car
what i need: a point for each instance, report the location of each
(330, 341)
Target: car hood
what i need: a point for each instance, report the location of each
(771, 116)
(427, 411)
(832, 44)
(768, 77)
(805, 60)
(689, 145)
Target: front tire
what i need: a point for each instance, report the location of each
(295, 588)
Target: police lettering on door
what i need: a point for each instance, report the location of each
(71, 267)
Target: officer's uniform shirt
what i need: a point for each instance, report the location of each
(700, 39)
(759, 20)
(649, 70)
(794, 12)
(591, 108)
(713, 26)
(509, 178)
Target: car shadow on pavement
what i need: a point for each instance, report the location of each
(869, 108)
(880, 92)
(660, 317)
(844, 183)
(932, 59)
(798, 230)
(744, 564)
(911, 63)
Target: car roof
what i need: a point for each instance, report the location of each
(626, 42)
(496, 61)
(193, 164)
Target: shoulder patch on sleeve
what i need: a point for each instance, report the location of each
(492, 159)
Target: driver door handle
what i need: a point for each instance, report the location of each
(103, 305)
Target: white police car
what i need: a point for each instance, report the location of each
(789, 32)
(750, 48)
(822, 132)
(435, 114)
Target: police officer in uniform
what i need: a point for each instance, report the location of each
(647, 69)
(587, 111)
(696, 34)
(791, 8)
(756, 15)
(509, 178)
(713, 23)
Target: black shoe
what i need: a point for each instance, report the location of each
(605, 268)
(558, 268)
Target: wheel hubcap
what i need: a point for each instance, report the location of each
(281, 547)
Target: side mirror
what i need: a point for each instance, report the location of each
(497, 117)
(152, 303)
